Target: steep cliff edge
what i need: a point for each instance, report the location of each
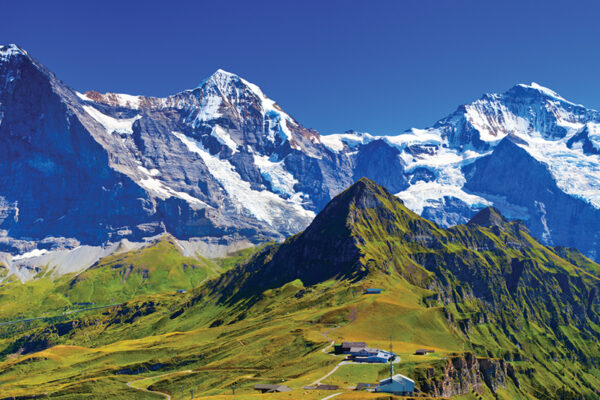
(461, 374)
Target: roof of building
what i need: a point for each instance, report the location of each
(272, 388)
(367, 349)
(397, 378)
(327, 387)
(354, 344)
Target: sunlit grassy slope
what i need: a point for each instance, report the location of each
(486, 288)
(157, 268)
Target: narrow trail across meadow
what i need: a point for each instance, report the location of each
(331, 396)
(165, 395)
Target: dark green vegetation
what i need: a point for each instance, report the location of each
(508, 317)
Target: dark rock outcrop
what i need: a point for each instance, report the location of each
(461, 374)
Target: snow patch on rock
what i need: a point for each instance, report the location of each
(124, 125)
(263, 205)
(30, 254)
(223, 137)
(160, 189)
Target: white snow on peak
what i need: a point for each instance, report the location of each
(11, 50)
(547, 92)
(263, 205)
(493, 120)
(124, 125)
(229, 90)
(336, 141)
(221, 78)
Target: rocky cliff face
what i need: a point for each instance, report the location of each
(461, 374)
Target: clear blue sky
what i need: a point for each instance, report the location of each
(377, 66)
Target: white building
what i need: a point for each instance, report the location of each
(397, 384)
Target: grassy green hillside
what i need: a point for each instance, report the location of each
(508, 318)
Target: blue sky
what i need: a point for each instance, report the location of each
(376, 66)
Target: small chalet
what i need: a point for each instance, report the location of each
(267, 388)
(346, 347)
(397, 384)
(372, 291)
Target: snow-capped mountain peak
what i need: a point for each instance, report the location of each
(546, 92)
(540, 88)
(226, 102)
(222, 79)
(11, 50)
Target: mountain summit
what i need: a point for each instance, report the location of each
(489, 217)
(224, 162)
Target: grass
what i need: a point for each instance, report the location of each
(271, 345)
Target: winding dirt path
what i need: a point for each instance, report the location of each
(165, 395)
(318, 381)
(331, 396)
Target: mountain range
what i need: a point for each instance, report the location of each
(508, 317)
(224, 163)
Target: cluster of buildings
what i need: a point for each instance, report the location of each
(360, 352)
(396, 383)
